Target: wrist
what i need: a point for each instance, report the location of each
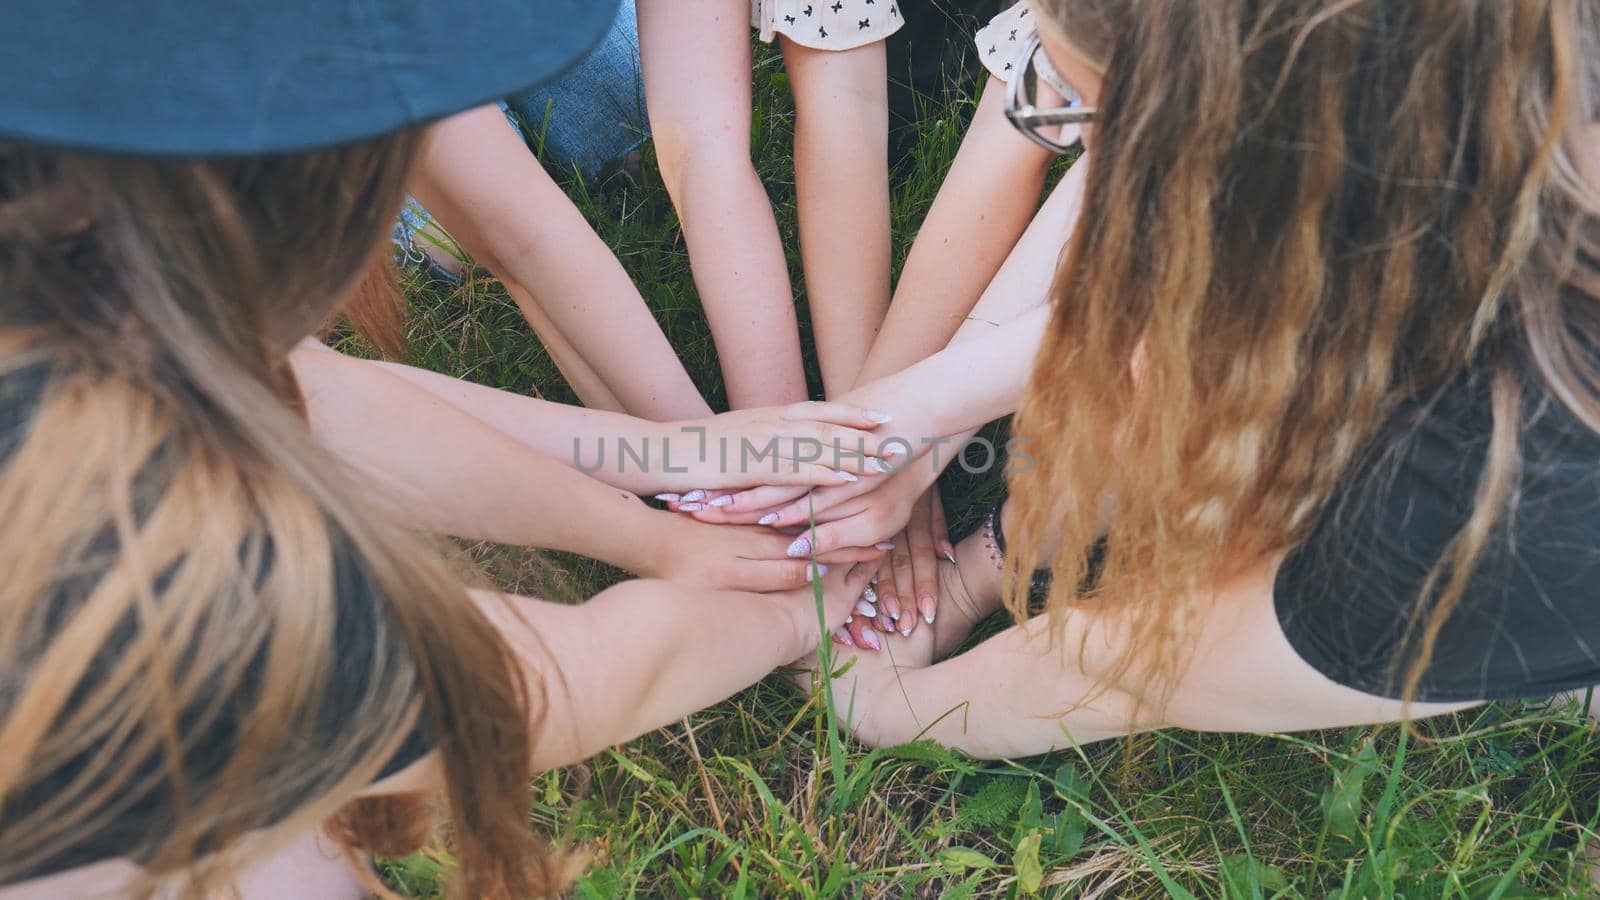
(647, 542)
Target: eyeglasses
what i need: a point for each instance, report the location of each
(1023, 90)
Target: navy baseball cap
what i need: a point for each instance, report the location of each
(255, 77)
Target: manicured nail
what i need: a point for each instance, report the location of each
(879, 417)
(870, 638)
(950, 556)
(905, 627)
(890, 451)
(884, 545)
(866, 609)
(821, 571)
(691, 507)
(800, 547)
(668, 498)
(869, 595)
(928, 606)
(767, 519)
(724, 500)
(885, 624)
(843, 637)
(694, 495)
(845, 476)
(849, 619)
(877, 465)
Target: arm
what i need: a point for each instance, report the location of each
(983, 206)
(448, 472)
(841, 172)
(696, 60)
(493, 195)
(643, 654)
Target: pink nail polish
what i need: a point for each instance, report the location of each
(845, 476)
(884, 545)
(865, 608)
(724, 500)
(843, 637)
(668, 498)
(870, 638)
(691, 507)
(694, 495)
(767, 519)
(905, 628)
(881, 418)
(885, 624)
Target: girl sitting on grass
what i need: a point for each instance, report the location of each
(1314, 419)
(214, 636)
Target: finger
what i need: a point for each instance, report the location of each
(890, 603)
(941, 528)
(924, 577)
(821, 500)
(762, 499)
(864, 633)
(851, 555)
(841, 636)
(887, 595)
(904, 584)
(834, 412)
(858, 530)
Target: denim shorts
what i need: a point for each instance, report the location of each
(591, 116)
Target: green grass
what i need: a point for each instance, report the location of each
(752, 798)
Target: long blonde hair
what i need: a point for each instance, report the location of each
(173, 542)
(1299, 212)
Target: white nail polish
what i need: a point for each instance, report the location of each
(694, 495)
(724, 500)
(849, 619)
(767, 519)
(950, 556)
(800, 547)
(866, 609)
(846, 476)
(884, 545)
(691, 507)
(869, 595)
(905, 629)
(668, 498)
(874, 415)
(927, 617)
(879, 466)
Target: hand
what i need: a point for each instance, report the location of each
(841, 585)
(735, 557)
(868, 520)
(907, 583)
(805, 444)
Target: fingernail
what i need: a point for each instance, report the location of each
(870, 638)
(845, 476)
(890, 451)
(874, 415)
(885, 623)
(691, 507)
(724, 500)
(879, 466)
(928, 605)
(767, 519)
(800, 547)
(884, 545)
(950, 556)
(668, 498)
(694, 495)
(843, 637)
(821, 571)
(866, 609)
(905, 628)
(869, 595)
(849, 619)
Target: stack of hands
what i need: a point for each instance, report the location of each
(830, 483)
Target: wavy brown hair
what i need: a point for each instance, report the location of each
(173, 541)
(1299, 213)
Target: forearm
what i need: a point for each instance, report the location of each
(643, 654)
(515, 219)
(448, 472)
(842, 192)
(983, 206)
